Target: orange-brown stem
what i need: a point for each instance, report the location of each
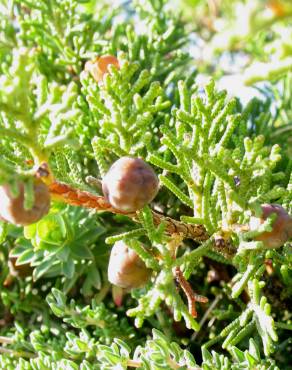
(192, 297)
(75, 197)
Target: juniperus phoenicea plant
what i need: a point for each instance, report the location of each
(203, 270)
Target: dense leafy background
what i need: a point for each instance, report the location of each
(204, 95)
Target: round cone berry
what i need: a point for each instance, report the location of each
(125, 268)
(130, 184)
(99, 67)
(12, 209)
(282, 226)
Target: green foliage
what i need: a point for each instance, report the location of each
(124, 115)
(61, 244)
(105, 322)
(249, 359)
(218, 160)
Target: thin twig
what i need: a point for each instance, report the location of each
(69, 195)
(133, 363)
(206, 315)
(6, 340)
(17, 353)
(192, 297)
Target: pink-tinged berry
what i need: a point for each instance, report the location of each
(12, 209)
(126, 269)
(130, 184)
(99, 67)
(282, 226)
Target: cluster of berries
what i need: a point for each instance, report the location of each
(128, 186)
